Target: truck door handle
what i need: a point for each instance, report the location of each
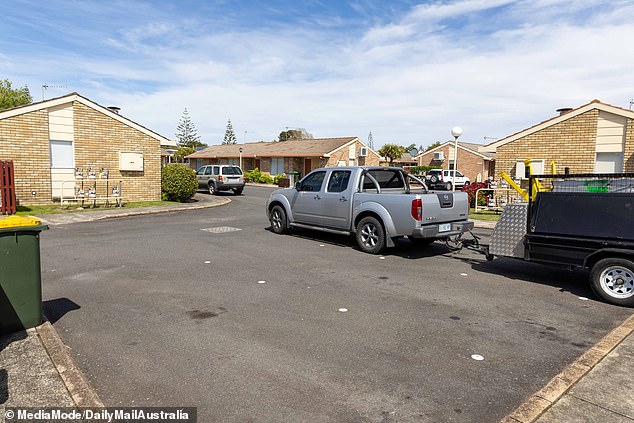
(317, 197)
(343, 199)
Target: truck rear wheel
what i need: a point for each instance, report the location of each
(370, 235)
(613, 280)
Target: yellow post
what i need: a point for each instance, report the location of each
(516, 187)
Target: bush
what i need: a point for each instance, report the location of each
(277, 178)
(178, 183)
(472, 189)
(265, 179)
(258, 177)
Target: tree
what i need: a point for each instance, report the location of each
(182, 152)
(391, 152)
(10, 97)
(230, 136)
(295, 134)
(187, 134)
(434, 145)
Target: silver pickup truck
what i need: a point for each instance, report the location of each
(377, 204)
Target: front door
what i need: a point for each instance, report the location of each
(308, 164)
(336, 200)
(306, 205)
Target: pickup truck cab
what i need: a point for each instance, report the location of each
(376, 204)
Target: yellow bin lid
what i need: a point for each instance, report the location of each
(18, 221)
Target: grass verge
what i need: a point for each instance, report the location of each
(484, 215)
(57, 208)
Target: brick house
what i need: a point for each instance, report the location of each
(474, 164)
(593, 138)
(49, 140)
(288, 156)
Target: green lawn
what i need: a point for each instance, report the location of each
(57, 208)
(484, 215)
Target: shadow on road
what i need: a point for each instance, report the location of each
(56, 309)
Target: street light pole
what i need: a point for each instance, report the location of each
(456, 131)
(240, 157)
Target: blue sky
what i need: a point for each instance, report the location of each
(407, 71)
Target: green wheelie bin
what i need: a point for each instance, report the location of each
(20, 273)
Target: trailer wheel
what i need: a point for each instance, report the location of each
(370, 235)
(613, 280)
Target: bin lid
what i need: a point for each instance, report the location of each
(18, 221)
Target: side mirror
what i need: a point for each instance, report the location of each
(297, 186)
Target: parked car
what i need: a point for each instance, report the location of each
(216, 178)
(444, 179)
(376, 204)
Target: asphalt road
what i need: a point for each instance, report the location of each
(170, 310)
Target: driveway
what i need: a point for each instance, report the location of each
(210, 309)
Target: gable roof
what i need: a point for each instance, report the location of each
(69, 98)
(468, 146)
(316, 147)
(594, 104)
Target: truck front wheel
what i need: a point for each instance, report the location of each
(370, 235)
(613, 280)
(277, 217)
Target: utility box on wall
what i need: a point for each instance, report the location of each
(131, 161)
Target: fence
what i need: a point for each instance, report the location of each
(7, 188)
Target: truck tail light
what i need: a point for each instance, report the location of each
(417, 209)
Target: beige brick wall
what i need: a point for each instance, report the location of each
(98, 141)
(24, 139)
(571, 143)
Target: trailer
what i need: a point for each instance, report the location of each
(583, 220)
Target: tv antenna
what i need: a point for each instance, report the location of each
(631, 103)
(46, 87)
(370, 141)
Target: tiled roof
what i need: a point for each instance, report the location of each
(316, 147)
(594, 104)
(52, 102)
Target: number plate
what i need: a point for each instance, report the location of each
(444, 227)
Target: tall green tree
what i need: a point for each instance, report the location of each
(182, 152)
(187, 134)
(391, 152)
(295, 134)
(13, 97)
(432, 146)
(230, 136)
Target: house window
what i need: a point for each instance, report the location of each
(62, 156)
(608, 163)
(521, 170)
(277, 166)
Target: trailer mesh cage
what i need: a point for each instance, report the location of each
(582, 183)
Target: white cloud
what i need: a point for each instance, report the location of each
(508, 66)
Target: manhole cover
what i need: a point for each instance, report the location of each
(221, 229)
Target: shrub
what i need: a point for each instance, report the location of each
(178, 182)
(419, 170)
(472, 189)
(265, 179)
(277, 178)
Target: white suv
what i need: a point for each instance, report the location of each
(442, 178)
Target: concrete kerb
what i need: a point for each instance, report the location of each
(82, 394)
(546, 397)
